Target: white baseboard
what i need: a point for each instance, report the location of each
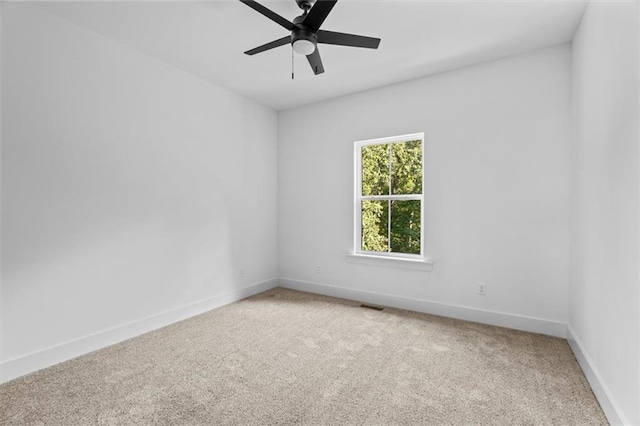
(600, 389)
(517, 322)
(29, 363)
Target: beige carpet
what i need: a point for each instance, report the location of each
(286, 357)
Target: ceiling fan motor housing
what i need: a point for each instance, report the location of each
(303, 40)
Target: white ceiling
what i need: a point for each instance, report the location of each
(418, 38)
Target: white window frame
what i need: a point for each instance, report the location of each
(358, 198)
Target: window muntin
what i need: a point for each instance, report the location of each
(389, 199)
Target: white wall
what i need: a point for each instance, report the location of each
(129, 189)
(603, 309)
(497, 190)
(1, 310)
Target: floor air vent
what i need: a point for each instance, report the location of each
(375, 308)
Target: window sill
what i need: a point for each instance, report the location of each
(393, 262)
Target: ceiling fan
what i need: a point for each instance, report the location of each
(306, 32)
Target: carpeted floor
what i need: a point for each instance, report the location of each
(287, 357)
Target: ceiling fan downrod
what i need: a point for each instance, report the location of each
(305, 5)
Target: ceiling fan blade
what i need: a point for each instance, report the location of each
(269, 14)
(275, 43)
(315, 62)
(318, 14)
(342, 39)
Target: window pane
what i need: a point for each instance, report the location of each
(375, 222)
(405, 226)
(406, 168)
(375, 169)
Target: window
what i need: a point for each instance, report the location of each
(389, 206)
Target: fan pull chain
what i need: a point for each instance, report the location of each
(292, 62)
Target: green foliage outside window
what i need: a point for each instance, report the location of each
(391, 169)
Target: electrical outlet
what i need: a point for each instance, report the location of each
(318, 269)
(241, 273)
(482, 289)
